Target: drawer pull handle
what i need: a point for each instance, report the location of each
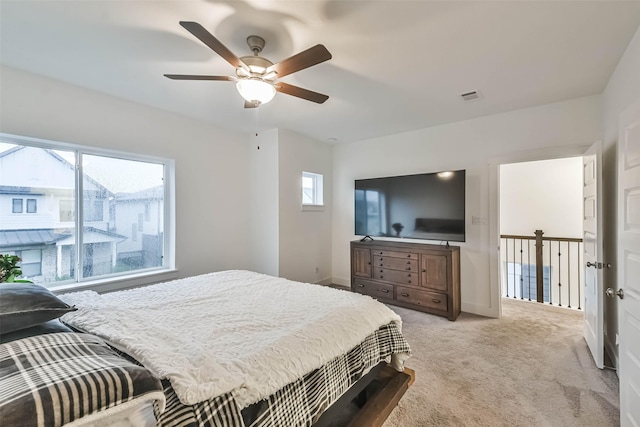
(404, 294)
(437, 301)
(381, 259)
(381, 271)
(361, 285)
(409, 281)
(424, 270)
(381, 265)
(386, 291)
(409, 256)
(408, 268)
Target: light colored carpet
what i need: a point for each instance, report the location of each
(530, 368)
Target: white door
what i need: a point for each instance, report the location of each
(628, 293)
(592, 238)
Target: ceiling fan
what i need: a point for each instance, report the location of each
(256, 77)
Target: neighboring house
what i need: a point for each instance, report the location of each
(139, 216)
(37, 211)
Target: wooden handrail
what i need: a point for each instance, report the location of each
(555, 239)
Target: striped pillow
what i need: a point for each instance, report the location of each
(54, 379)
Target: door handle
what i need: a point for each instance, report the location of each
(598, 265)
(610, 293)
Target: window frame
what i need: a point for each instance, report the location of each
(13, 205)
(125, 279)
(35, 204)
(318, 191)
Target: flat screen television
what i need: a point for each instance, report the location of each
(428, 206)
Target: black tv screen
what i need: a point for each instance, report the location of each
(428, 206)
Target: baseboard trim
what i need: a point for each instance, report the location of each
(342, 282)
(326, 281)
(480, 310)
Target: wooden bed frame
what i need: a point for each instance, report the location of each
(370, 401)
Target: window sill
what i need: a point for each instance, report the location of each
(118, 283)
(312, 208)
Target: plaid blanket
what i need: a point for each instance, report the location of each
(53, 379)
(297, 404)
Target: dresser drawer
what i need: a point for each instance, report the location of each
(423, 298)
(395, 276)
(393, 254)
(401, 264)
(376, 290)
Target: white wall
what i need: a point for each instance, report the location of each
(623, 89)
(264, 195)
(305, 236)
(212, 172)
(544, 195)
(466, 145)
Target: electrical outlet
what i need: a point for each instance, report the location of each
(475, 220)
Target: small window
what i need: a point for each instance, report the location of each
(134, 232)
(32, 206)
(147, 211)
(17, 206)
(312, 190)
(140, 222)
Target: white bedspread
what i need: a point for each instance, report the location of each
(231, 331)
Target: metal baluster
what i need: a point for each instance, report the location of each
(569, 272)
(521, 280)
(559, 278)
(529, 267)
(550, 276)
(514, 267)
(506, 262)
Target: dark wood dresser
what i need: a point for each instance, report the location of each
(412, 275)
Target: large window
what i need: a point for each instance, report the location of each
(90, 204)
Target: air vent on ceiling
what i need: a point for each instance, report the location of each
(470, 96)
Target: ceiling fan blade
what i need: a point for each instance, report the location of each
(301, 93)
(192, 77)
(214, 44)
(305, 59)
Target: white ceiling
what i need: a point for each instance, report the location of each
(397, 65)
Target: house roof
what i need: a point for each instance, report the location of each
(11, 238)
(146, 194)
(49, 236)
(57, 157)
(397, 66)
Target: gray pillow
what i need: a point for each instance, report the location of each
(51, 327)
(23, 305)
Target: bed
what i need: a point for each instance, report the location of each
(238, 348)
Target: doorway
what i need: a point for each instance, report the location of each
(494, 207)
(541, 231)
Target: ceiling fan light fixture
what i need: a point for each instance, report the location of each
(256, 90)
